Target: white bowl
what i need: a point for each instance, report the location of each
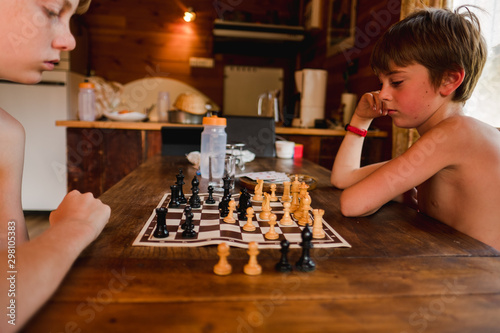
(129, 116)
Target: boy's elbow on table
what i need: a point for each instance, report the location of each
(351, 206)
(338, 182)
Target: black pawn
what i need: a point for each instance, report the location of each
(283, 265)
(179, 183)
(195, 200)
(210, 199)
(161, 223)
(189, 216)
(305, 263)
(174, 197)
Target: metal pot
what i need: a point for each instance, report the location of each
(182, 117)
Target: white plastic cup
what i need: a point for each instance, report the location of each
(285, 149)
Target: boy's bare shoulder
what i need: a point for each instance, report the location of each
(12, 135)
(10, 125)
(464, 129)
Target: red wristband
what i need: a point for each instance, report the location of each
(355, 130)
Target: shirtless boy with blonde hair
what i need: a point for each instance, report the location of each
(428, 65)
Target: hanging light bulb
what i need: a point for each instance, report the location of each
(189, 15)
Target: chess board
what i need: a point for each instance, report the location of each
(211, 229)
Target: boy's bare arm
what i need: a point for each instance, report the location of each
(347, 170)
(42, 263)
(432, 153)
(12, 139)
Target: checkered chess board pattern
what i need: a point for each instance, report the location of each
(211, 229)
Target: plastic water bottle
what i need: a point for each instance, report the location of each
(86, 102)
(213, 147)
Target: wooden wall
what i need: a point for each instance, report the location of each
(131, 39)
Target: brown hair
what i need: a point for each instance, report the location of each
(438, 39)
(83, 6)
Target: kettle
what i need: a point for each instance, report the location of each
(268, 105)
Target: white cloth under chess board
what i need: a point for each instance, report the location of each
(211, 229)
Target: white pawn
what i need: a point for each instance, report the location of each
(318, 231)
(273, 196)
(230, 218)
(223, 267)
(253, 267)
(249, 225)
(286, 219)
(272, 234)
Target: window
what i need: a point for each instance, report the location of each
(485, 101)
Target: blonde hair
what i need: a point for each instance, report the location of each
(438, 39)
(83, 6)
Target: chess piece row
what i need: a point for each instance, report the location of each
(304, 264)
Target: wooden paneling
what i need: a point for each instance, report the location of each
(130, 40)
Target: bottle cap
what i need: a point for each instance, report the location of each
(214, 121)
(86, 85)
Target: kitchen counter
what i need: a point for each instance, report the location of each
(101, 153)
(156, 126)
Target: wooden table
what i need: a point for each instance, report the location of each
(404, 273)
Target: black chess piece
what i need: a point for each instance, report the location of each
(195, 183)
(224, 203)
(195, 200)
(161, 223)
(174, 197)
(224, 208)
(179, 183)
(305, 263)
(189, 226)
(283, 265)
(243, 203)
(210, 199)
(188, 213)
(226, 185)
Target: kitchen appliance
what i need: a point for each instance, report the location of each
(268, 105)
(243, 86)
(311, 84)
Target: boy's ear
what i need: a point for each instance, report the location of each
(452, 79)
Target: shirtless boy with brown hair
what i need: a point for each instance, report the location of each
(32, 35)
(428, 65)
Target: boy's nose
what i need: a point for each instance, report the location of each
(384, 94)
(64, 41)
